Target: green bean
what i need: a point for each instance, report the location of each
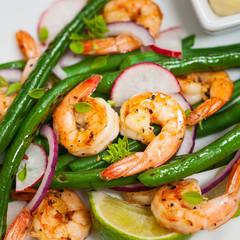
(188, 42)
(194, 162)
(220, 121)
(89, 65)
(15, 65)
(22, 140)
(37, 78)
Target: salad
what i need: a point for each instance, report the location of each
(27, 177)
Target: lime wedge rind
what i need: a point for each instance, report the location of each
(108, 230)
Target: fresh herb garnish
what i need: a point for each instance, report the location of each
(3, 82)
(23, 173)
(187, 112)
(43, 34)
(96, 27)
(37, 93)
(193, 197)
(13, 88)
(118, 150)
(76, 47)
(99, 62)
(111, 102)
(83, 107)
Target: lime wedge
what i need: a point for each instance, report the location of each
(116, 219)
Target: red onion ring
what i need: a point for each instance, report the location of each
(47, 132)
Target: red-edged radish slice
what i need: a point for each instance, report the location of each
(35, 160)
(11, 75)
(58, 15)
(190, 135)
(47, 132)
(70, 58)
(143, 77)
(130, 28)
(169, 42)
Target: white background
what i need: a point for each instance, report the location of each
(24, 14)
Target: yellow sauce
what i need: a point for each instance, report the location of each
(225, 7)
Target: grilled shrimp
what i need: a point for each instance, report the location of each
(195, 85)
(136, 115)
(174, 213)
(61, 215)
(143, 12)
(30, 49)
(85, 133)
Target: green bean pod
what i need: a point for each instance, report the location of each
(20, 64)
(89, 65)
(37, 78)
(25, 135)
(194, 162)
(188, 41)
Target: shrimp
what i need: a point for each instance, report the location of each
(221, 88)
(135, 117)
(174, 213)
(86, 133)
(142, 198)
(30, 49)
(143, 12)
(5, 101)
(61, 215)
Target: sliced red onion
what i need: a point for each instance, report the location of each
(169, 42)
(47, 132)
(132, 188)
(59, 72)
(70, 58)
(130, 28)
(220, 177)
(188, 143)
(11, 75)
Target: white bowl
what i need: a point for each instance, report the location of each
(210, 21)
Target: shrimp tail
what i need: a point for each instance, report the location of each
(130, 165)
(21, 226)
(27, 45)
(233, 184)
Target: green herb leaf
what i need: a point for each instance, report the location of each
(23, 173)
(95, 46)
(3, 82)
(99, 62)
(76, 46)
(43, 34)
(96, 27)
(13, 88)
(83, 107)
(118, 150)
(37, 93)
(188, 112)
(192, 197)
(80, 37)
(237, 214)
(111, 102)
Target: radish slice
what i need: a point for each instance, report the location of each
(47, 132)
(70, 58)
(59, 72)
(11, 75)
(188, 143)
(143, 77)
(169, 42)
(36, 162)
(130, 28)
(58, 15)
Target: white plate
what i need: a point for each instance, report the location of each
(24, 15)
(210, 21)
